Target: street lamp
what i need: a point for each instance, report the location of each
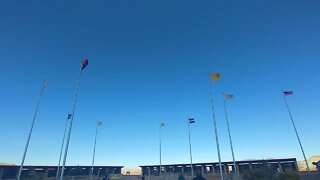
(191, 120)
(99, 123)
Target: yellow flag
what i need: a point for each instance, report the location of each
(215, 76)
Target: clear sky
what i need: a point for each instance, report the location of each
(148, 63)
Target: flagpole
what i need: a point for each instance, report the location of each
(160, 149)
(30, 132)
(62, 145)
(94, 150)
(190, 148)
(70, 126)
(230, 140)
(215, 127)
(295, 130)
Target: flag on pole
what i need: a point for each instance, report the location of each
(229, 96)
(215, 76)
(84, 64)
(287, 93)
(191, 120)
(99, 123)
(161, 125)
(45, 83)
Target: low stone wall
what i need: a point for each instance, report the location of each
(175, 177)
(226, 177)
(309, 176)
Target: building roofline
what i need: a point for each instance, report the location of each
(51, 166)
(229, 162)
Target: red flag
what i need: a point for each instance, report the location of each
(84, 64)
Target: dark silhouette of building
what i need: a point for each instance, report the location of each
(11, 171)
(281, 165)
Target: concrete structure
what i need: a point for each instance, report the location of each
(11, 171)
(282, 165)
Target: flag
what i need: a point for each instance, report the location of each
(215, 76)
(161, 125)
(69, 116)
(84, 64)
(287, 93)
(99, 123)
(229, 96)
(45, 83)
(191, 120)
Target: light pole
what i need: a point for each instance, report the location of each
(289, 93)
(161, 126)
(225, 98)
(44, 85)
(191, 120)
(64, 135)
(99, 123)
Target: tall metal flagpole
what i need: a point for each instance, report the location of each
(161, 125)
(295, 130)
(83, 65)
(215, 126)
(45, 84)
(62, 145)
(191, 120)
(230, 140)
(94, 148)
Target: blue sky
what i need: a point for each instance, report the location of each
(148, 63)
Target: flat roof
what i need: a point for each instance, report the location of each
(45, 166)
(228, 162)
